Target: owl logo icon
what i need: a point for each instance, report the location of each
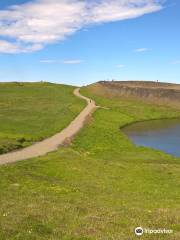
(139, 231)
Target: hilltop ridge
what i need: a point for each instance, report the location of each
(148, 91)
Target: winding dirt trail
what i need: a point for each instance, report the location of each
(52, 143)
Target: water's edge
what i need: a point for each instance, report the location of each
(158, 134)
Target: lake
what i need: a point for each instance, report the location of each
(163, 135)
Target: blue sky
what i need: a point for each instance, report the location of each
(74, 42)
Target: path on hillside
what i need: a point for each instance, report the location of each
(52, 143)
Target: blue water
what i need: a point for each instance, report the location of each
(163, 135)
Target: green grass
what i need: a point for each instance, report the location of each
(30, 112)
(101, 187)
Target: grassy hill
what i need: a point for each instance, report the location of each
(30, 112)
(99, 188)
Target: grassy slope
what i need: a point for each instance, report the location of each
(100, 187)
(30, 112)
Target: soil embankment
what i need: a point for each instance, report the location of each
(151, 92)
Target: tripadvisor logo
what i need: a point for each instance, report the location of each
(139, 231)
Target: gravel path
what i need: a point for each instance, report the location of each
(52, 143)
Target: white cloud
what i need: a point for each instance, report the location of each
(176, 62)
(9, 47)
(33, 25)
(140, 50)
(74, 61)
(120, 66)
(48, 61)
